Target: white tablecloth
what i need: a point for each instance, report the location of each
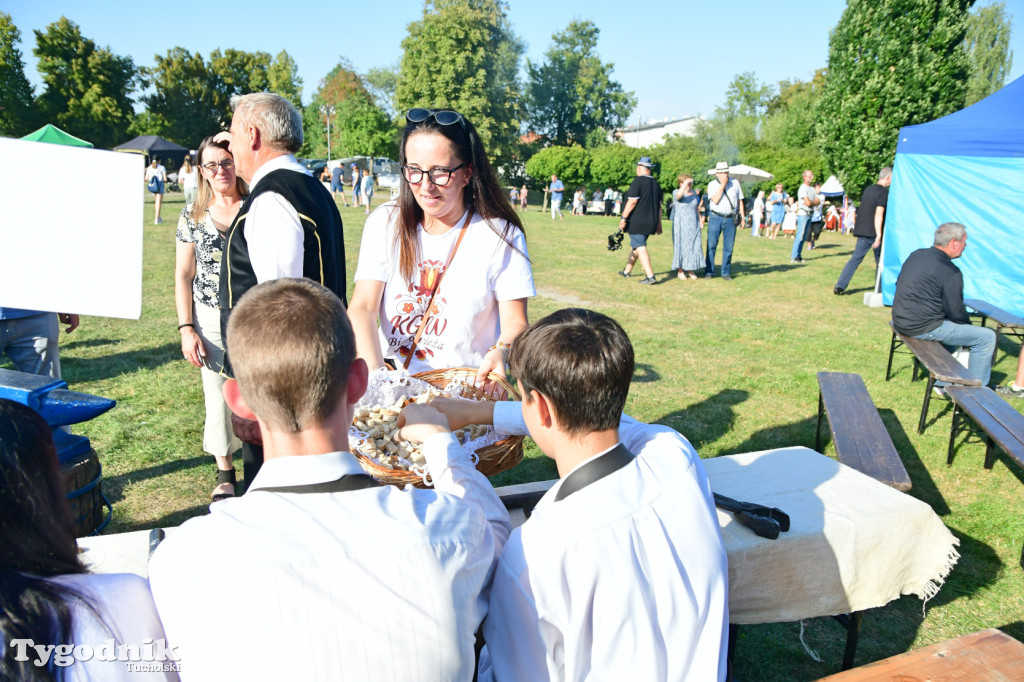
(854, 543)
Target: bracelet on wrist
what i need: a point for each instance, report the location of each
(500, 344)
(186, 324)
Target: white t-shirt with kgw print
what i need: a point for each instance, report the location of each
(464, 322)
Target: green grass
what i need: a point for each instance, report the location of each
(731, 365)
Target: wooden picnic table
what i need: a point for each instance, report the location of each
(1005, 321)
(988, 655)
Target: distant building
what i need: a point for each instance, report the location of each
(654, 132)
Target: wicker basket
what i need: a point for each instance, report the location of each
(494, 458)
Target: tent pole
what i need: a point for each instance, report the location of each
(873, 299)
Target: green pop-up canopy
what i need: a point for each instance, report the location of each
(54, 135)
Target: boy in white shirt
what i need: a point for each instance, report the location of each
(620, 572)
(341, 578)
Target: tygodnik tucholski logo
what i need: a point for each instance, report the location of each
(151, 656)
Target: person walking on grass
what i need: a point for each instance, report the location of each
(868, 225)
(806, 201)
(641, 217)
(556, 187)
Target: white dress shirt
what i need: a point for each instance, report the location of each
(625, 579)
(373, 584)
(272, 228)
(126, 614)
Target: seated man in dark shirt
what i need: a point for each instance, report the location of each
(929, 301)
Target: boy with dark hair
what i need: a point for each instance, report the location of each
(620, 573)
(343, 578)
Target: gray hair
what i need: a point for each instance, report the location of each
(279, 122)
(947, 232)
(885, 173)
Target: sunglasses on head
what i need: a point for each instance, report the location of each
(444, 117)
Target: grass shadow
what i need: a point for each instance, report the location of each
(924, 487)
(1015, 630)
(85, 370)
(87, 343)
(114, 486)
(645, 374)
(707, 421)
(172, 519)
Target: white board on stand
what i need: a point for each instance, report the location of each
(70, 229)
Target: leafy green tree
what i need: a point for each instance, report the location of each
(283, 78)
(364, 129)
(891, 63)
(680, 154)
(186, 102)
(382, 82)
(148, 123)
(86, 89)
(17, 112)
(792, 114)
(239, 73)
(746, 96)
(572, 93)
(613, 165)
(464, 55)
(357, 127)
(570, 164)
(988, 48)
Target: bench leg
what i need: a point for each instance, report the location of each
(817, 428)
(927, 401)
(952, 434)
(850, 621)
(734, 631)
(990, 452)
(892, 350)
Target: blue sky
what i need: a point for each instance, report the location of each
(673, 55)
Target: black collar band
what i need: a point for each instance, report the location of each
(594, 471)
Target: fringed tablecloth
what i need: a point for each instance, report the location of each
(854, 543)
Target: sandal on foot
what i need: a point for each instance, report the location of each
(224, 476)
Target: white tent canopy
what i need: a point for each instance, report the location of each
(832, 188)
(744, 173)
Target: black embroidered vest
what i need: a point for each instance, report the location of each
(323, 247)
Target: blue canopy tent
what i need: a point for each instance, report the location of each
(967, 167)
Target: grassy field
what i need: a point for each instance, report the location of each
(731, 365)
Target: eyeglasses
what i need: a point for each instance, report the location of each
(438, 176)
(213, 165)
(444, 117)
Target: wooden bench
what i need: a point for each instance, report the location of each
(999, 423)
(988, 655)
(861, 439)
(1004, 320)
(936, 360)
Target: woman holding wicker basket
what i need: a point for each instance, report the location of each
(443, 269)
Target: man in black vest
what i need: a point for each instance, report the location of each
(288, 226)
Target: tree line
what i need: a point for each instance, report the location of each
(891, 63)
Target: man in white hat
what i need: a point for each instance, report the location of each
(725, 200)
(641, 217)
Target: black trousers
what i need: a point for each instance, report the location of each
(252, 460)
(814, 230)
(608, 206)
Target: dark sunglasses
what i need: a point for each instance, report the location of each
(444, 117)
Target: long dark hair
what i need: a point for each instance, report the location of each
(483, 195)
(204, 193)
(37, 541)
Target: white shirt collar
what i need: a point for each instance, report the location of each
(288, 161)
(303, 469)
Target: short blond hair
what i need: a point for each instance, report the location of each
(291, 345)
